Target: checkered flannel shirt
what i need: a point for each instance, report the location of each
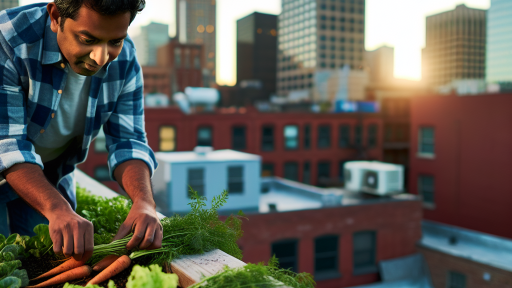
(33, 72)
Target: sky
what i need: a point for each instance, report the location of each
(397, 23)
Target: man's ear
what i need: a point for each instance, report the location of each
(54, 16)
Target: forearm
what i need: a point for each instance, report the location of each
(29, 182)
(133, 176)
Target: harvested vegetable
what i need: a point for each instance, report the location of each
(104, 263)
(110, 285)
(144, 277)
(73, 274)
(22, 275)
(10, 282)
(66, 266)
(6, 268)
(113, 269)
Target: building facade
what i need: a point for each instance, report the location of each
(380, 64)
(257, 49)
(6, 4)
(460, 160)
(454, 46)
(499, 44)
(317, 35)
(148, 40)
(195, 24)
(157, 80)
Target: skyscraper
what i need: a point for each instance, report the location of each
(147, 42)
(318, 35)
(499, 44)
(6, 4)
(455, 46)
(196, 25)
(256, 40)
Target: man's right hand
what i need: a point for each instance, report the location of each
(71, 234)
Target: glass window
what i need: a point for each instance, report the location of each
(291, 137)
(364, 245)
(197, 62)
(456, 280)
(238, 138)
(267, 138)
(177, 57)
(204, 136)
(101, 173)
(100, 143)
(286, 252)
(426, 188)
(427, 140)
(291, 171)
(344, 136)
(372, 136)
(358, 138)
(196, 181)
(326, 254)
(167, 138)
(267, 169)
(306, 173)
(324, 173)
(324, 136)
(236, 179)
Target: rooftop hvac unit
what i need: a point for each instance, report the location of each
(375, 177)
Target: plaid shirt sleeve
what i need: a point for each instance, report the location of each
(14, 146)
(124, 131)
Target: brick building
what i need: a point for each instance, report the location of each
(157, 80)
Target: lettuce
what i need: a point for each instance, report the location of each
(22, 275)
(10, 282)
(143, 277)
(110, 285)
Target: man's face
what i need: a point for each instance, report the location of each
(90, 41)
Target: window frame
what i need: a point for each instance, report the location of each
(202, 184)
(294, 258)
(366, 268)
(289, 164)
(327, 273)
(319, 136)
(263, 139)
(341, 135)
(421, 192)
(318, 170)
(160, 137)
(372, 136)
(296, 138)
(235, 180)
(449, 279)
(234, 138)
(421, 153)
(211, 135)
(306, 142)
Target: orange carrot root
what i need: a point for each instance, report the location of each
(113, 269)
(104, 263)
(66, 266)
(73, 274)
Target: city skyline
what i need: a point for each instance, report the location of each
(384, 25)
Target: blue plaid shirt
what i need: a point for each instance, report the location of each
(32, 73)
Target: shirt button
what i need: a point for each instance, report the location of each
(42, 131)
(63, 65)
(53, 115)
(60, 91)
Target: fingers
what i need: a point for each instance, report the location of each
(57, 242)
(159, 235)
(149, 238)
(78, 236)
(88, 242)
(68, 241)
(138, 235)
(124, 230)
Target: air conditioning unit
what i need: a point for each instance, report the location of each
(374, 177)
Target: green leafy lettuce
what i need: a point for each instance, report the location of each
(149, 277)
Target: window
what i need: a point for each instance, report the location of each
(204, 136)
(267, 169)
(426, 188)
(324, 136)
(177, 57)
(358, 139)
(100, 144)
(456, 280)
(291, 171)
(326, 254)
(267, 138)
(426, 141)
(101, 173)
(372, 136)
(341, 171)
(196, 181)
(324, 173)
(238, 139)
(364, 252)
(286, 252)
(344, 136)
(235, 179)
(167, 138)
(306, 173)
(197, 62)
(291, 137)
(307, 136)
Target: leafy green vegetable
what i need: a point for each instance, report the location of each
(110, 285)
(40, 243)
(257, 275)
(22, 275)
(10, 282)
(6, 268)
(144, 277)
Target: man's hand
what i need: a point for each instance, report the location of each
(71, 234)
(146, 227)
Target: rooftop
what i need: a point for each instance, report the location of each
(205, 154)
(475, 246)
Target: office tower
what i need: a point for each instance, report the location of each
(257, 49)
(147, 42)
(380, 65)
(6, 4)
(196, 25)
(455, 46)
(499, 44)
(318, 35)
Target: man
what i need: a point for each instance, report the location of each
(66, 70)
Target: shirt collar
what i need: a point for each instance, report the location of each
(51, 51)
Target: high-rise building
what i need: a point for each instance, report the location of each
(257, 49)
(6, 4)
(196, 25)
(318, 35)
(499, 43)
(147, 42)
(380, 65)
(455, 46)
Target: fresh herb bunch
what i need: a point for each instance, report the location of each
(106, 215)
(257, 275)
(197, 232)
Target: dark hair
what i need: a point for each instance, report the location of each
(69, 8)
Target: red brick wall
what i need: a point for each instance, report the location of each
(440, 264)
(398, 227)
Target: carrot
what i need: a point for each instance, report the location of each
(104, 263)
(113, 269)
(68, 265)
(73, 274)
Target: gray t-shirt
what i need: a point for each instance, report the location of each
(69, 120)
